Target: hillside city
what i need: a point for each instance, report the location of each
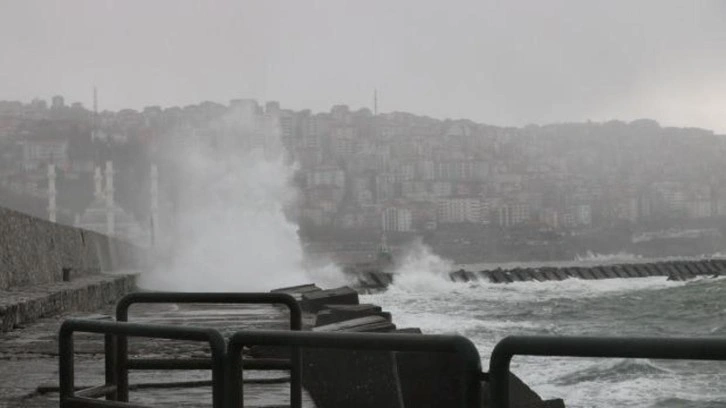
(469, 190)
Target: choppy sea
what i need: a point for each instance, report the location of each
(651, 306)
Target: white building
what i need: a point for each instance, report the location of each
(509, 214)
(459, 209)
(397, 219)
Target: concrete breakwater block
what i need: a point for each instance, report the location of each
(360, 324)
(692, 268)
(651, 269)
(471, 276)
(351, 378)
(538, 275)
(608, 272)
(367, 280)
(315, 301)
(598, 273)
(499, 276)
(630, 271)
(702, 268)
(641, 271)
(486, 276)
(298, 291)
(459, 276)
(561, 274)
(520, 396)
(570, 272)
(382, 278)
(587, 273)
(620, 272)
(679, 272)
(374, 279)
(337, 313)
(550, 274)
(719, 264)
(307, 288)
(523, 275)
(666, 268)
(712, 267)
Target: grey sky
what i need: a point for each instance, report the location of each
(499, 62)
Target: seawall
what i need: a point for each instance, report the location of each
(35, 252)
(48, 269)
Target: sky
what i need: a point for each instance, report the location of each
(497, 62)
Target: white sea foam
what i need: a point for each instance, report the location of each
(422, 296)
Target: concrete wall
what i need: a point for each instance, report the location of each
(90, 293)
(34, 251)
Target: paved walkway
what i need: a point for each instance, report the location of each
(29, 357)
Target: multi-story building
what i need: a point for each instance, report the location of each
(397, 219)
(459, 210)
(508, 214)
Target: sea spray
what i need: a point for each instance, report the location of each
(418, 268)
(231, 232)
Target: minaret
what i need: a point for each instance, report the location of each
(51, 193)
(98, 184)
(375, 102)
(110, 216)
(94, 131)
(384, 252)
(154, 204)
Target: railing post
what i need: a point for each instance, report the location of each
(65, 362)
(122, 352)
(110, 355)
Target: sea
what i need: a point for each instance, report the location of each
(486, 313)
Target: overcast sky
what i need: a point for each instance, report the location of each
(499, 62)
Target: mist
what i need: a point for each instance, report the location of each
(502, 63)
(230, 231)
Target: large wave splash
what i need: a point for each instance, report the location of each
(418, 268)
(231, 232)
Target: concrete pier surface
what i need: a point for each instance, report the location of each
(29, 357)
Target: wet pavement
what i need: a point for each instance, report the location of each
(29, 358)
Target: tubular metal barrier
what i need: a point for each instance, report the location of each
(123, 363)
(604, 347)
(471, 383)
(85, 398)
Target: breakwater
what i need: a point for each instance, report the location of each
(672, 270)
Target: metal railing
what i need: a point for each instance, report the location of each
(85, 398)
(117, 371)
(604, 347)
(471, 383)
